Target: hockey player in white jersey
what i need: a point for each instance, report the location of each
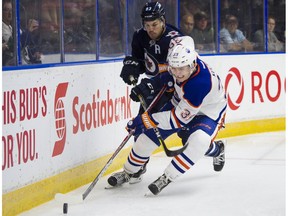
(199, 104)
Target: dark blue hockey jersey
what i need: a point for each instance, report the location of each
(150, 51)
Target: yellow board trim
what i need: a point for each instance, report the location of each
(43, 191)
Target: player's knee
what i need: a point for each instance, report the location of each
(144, 145)
(199, 142)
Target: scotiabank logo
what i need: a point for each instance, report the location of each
(234, 73)
(60, 122)
(101, 110)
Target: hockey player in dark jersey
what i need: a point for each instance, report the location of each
(150, 46)
(199, 103)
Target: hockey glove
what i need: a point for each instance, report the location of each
(167, 79)
(132, 68)
(184, 134)
(145, 89)
(141, 123)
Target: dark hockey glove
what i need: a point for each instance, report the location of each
(145, 89)
(131, 70)
(184, 134)
(167, 79)
(141, 123)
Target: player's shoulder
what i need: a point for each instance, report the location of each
(202, 65)
(140, 36)
(172, 31)
(200, 78)
(139, 31)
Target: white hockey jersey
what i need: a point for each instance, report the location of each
(201, 94)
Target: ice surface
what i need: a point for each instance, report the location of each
(252, 183)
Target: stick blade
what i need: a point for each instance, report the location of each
(68, 198)
(172, 153)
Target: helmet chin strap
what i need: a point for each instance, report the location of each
(193, 69)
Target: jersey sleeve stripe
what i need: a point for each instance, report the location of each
(174, 119)
(195, 73)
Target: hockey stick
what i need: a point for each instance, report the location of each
(77, 199)
(168, 152)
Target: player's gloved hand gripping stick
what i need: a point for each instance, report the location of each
(168, 152)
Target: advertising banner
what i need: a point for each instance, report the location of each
(57, 118)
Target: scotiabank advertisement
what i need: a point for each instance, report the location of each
(58, 118)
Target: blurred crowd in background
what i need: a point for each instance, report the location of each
(85, 30)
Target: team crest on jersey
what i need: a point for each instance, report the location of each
(151, 68)
(172, 34)
(151, 64)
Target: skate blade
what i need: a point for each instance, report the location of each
(108, 187)
(135, 180)
(149, 194)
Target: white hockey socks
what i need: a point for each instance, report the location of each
(198, 144)
(139, 154)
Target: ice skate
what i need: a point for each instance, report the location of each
(219, 161)
(120, 178)
(137, 177)
(157, 186)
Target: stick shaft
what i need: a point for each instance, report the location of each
(92, 185)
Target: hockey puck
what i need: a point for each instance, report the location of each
(65, 208)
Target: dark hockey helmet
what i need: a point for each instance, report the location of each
(152, 11)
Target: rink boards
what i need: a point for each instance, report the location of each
(61, 124)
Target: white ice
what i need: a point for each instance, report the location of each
(252, 183)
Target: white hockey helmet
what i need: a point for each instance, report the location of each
(180, 56)
(183, 40)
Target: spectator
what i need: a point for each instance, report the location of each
(190, 6)
(78, 25)
(233, 39)
(277, 8)
(274, 45)
(31, 53)
(202, 34)
(187, 24)
(7, 33)
(50, 15)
